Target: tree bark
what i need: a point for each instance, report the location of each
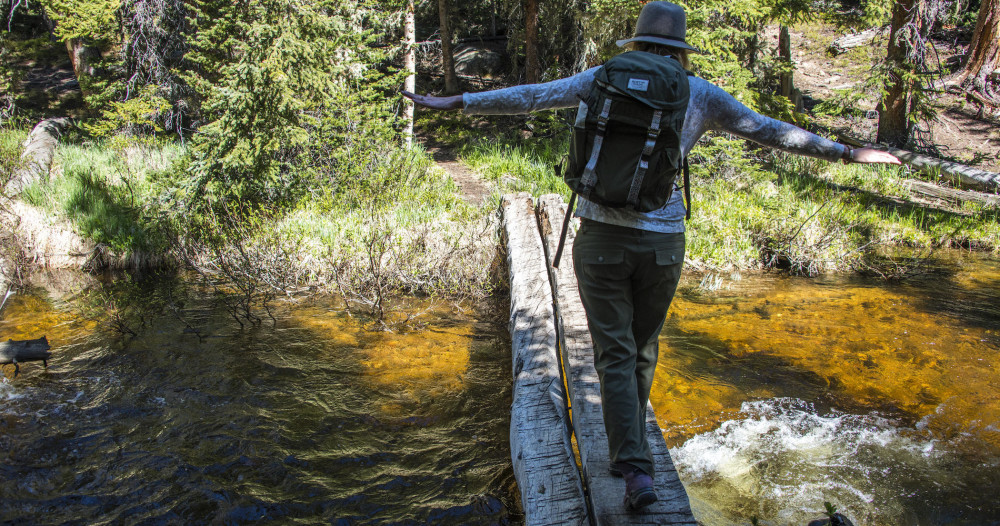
(39, 150)
(984, 54)
(83, 57)
(410, 63)
(447, 54)
(893, 124)
(532, 67)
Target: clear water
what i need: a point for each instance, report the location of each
(779, 394)
(315, 420)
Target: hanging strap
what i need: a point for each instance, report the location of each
(640, 169)
(687, 191)
(589, 178)
(565, 227)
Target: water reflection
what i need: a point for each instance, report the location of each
(313, 420)
(902, 383)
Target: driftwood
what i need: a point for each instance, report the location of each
(540, 441)
(18, 352)
(842, 44)
(605, 492)
(39, 149)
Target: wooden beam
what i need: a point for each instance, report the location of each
(606, 493)
(540, 443)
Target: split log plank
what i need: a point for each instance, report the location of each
(540, 443)
(606, 493)
(24, 351)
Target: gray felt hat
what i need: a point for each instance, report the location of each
(661, 23)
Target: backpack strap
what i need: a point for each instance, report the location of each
(640, 169)
(687, 191)
(589, 178)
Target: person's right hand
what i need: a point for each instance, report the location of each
(453, 102)
(872, 156)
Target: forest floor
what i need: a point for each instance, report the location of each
(958, 132)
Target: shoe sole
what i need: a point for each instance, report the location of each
(640, 499)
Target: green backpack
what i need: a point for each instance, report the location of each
(626, 144)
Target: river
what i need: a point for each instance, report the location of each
(775, 394)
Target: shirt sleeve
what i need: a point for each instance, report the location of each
(562, 93)
(731, 116)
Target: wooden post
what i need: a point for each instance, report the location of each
(540, 443)
(606, 493)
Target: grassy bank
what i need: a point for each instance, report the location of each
(756, 209)
(402, 228)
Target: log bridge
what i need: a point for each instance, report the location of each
(553, 364)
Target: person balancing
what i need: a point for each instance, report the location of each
(639, 116)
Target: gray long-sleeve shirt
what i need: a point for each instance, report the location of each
(710, 108)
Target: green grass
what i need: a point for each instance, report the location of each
(794, 212)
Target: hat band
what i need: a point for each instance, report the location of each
(658, 35)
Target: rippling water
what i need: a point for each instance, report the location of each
(777, 394)
(313, 420)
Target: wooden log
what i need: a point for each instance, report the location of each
(954, 172)
(39, 148)
(957, 173)
(540, 442)
(605, 492)
(18, 352)
(842, 44)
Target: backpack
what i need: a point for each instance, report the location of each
(626, 145)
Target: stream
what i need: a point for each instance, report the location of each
(775, 394)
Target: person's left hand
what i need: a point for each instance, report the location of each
(873, 156)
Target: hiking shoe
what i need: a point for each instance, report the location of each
(639, 491)
(615, 472)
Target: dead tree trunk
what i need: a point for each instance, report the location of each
(447, 54)
(39, 149)
(410, 64)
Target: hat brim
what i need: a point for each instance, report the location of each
(659, 40)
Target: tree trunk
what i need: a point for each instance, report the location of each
(447, 56)
(83, 57)
(893, 125)
(984, 54)
(410, 63)
(785, 54)
(532, 68)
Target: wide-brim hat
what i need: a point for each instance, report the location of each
(661, 23)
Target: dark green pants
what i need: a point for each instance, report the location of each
(627, 278)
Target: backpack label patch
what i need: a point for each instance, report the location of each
(638, 84)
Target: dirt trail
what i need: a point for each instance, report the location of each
(473, 188)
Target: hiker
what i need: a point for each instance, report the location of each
(627, 261)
